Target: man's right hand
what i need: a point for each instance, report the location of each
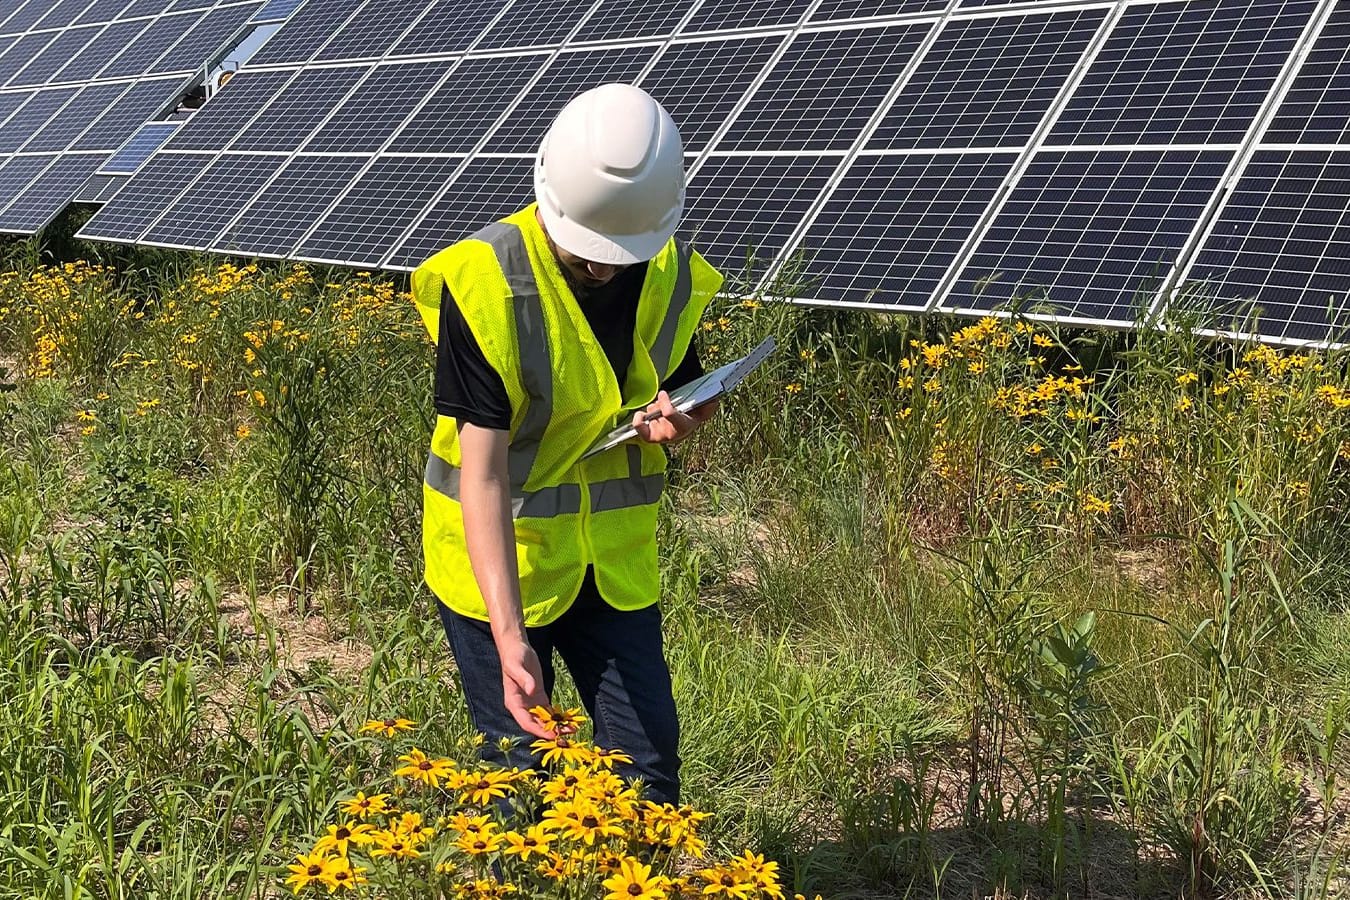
(523, 684)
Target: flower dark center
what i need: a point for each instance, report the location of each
(634, 890)
(390, 723)
(591, 822)
(315, 870)
(343, 834)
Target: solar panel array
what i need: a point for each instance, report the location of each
(1079, 159)
(78, 78)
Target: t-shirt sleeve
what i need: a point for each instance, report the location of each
(467, 388)
(688, 370)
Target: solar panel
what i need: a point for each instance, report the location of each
(488, 189)
(1315, 109)
(894, 225)
(535, 23)
(206, 207)
(54, 56)
(138, 148)
(633, 19)
(30, 117)
(305, 31)
(203, 43)
(464, 107)
(1024, 63)
(48, 194)
(449, 26)
(567, 75)
(832, 10)
(218, 122)
(276, 10)
(1188, 72)
(823, 91)
(10, 102)
(378, 106)
(100, 11)
(701, 82)
(17, 172)
(379, 207)
(1277, 262)
(286, 208)
(67, 125)
(144, 100)
(292, 115)
(373, 30)
(27, 16)
(139, 8)
(734, 14)
(61, 13)
(740, 211)
(95, 55)
(144, 198)
(149, 46)
(99, 188)
(21, 52)
(1090, 234)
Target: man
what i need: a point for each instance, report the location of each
(554, 325)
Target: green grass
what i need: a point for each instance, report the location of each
(951, 609)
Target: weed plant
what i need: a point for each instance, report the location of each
(953, 608)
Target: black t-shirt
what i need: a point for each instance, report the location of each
(470, 390)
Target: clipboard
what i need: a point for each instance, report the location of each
(711, 386)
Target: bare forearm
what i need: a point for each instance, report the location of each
(485, 496)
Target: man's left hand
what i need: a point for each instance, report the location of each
(672, 426)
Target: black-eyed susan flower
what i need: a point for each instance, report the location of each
(560, 749)
(393, 845)
(557, 720)
(635, 881)
(726, 881)
(309, 868)
(481, 788)
(363, 807)
(340, 836)
(482, 842)
(420, 767)
(582, 822)
(343, 875)
(534, 842)
(608, 758)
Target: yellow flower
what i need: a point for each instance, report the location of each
(1041, 340)
(481, 788)
(750, 304)
(340, 836)
(607, 758)
(88, 430)
(1094, 504)
(581, 821)
(726, 881)
(395, 845)
(344, 876)
(317, 866)
(534, 841)
(977, 368)
(793, 387)
(387, 727)
(635, 881)
(1035, 449)
(481, 842)
(557, 720)
(1187, 378)
(363, 807)
(753, 868)
(242, 432)
(424, 769)
(560, 749)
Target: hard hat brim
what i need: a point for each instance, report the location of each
(613, 249)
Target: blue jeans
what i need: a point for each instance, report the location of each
(618, 664)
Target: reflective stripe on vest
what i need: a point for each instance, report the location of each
(563, 499)
(679, 299)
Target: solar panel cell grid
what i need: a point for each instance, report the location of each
(535, 23)
(17, 172)
(98, 188)
(823, 91)
(377, 107)
(567, 75)
(28, 15)
(1317, 107)
(217, 123)
(7, 10)
(633, 19)
(987, 82)
(86, 63)
(834, 10)
(142, 102)
(21, 52)
(462, 109)
(700, 82)
(1183, 72)
(276, 10)
(11, 101)
(62, 13)
(488, 189)
(305, 31)
(48, 194)
(284, 211)
(139, 8)
(138, 149)
(55, 56)
(718, 16)
(101, 11)
(30, 117)
(77, 115)
(377, 210)
(742, 210)
(894, 225)
(290, 118)
(1091, 233)
(373, 30)
(180, 5)
(448, 27)
(207, 41)
(149, 46)
(145, 197)
(199, 214)
(1278, 259)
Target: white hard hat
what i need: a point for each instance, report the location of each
(609, 176)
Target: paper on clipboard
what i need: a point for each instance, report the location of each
(697, 392)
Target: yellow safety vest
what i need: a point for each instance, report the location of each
(568, 512)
